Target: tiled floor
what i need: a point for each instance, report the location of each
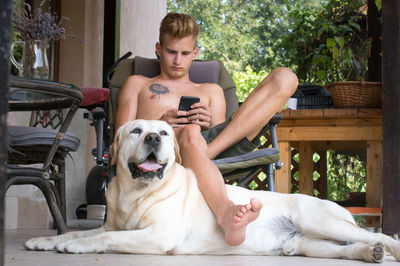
(15, 254)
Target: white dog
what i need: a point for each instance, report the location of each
(155, 207)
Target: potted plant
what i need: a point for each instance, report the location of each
(330, 46)
(36, 29)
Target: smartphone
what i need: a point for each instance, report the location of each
(186, 102)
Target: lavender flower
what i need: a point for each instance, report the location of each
(37, 25)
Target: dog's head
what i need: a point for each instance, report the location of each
(145, 149)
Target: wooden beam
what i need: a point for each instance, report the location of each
(338, 145)
(333, 113)
(347, 133)
(331, 122)
(391, 116)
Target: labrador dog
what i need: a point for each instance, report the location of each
(155, 207)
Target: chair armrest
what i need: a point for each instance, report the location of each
(276, 119)
(272, 131)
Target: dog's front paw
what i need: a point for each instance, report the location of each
(41, 243)
(376, 253)
(79, 246)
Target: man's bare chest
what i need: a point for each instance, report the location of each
(169, 96)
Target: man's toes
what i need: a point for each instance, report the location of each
(256, 204)
(236, 219)
(242, 211)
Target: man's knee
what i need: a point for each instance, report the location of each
(190, 137)
(285, 81)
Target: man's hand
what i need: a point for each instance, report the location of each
(200, 114)
(176, 118)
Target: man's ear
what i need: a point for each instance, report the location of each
(178, 157)
(158, 49)
(195, 52)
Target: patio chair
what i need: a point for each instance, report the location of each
(37, 153)
(239, 169)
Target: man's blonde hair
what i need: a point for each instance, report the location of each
(178, 26)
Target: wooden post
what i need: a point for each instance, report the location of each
(374, 179)
(283, 176)
(391, 116)
(322, 170)
(374, 174)
(306, 168)
(5, 39)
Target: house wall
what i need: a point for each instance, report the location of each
(81, 64)
(139, 32)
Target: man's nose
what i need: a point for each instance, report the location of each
(177, 59)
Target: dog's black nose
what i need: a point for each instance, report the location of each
(152, 139)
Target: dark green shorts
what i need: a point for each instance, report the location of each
(242, 147)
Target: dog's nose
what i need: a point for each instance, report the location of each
(152, 139)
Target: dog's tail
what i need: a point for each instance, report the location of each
(282, 226)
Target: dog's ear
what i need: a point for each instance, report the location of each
(178, 157)
(114, 148)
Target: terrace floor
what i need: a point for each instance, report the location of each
(15, 254)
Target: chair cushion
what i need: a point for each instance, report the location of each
(94, 95)
(199, 72)
(22, 136)
(204, 71)
(258, 157)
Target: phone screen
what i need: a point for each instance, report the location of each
(186, 102)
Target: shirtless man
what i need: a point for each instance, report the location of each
(158, 98)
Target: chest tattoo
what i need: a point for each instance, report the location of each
(157, 90)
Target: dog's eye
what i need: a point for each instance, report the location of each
(136, 131)
(164, 133)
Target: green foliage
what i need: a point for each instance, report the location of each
(346, 173)
(327, 43)
(237, 32)
(378, 4)
(321, 40)
(247, 81)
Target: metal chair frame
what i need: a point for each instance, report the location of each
(46, 177)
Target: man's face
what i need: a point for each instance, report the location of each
(176, 55)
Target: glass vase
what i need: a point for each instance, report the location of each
(34, 63)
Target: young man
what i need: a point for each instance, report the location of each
(158, 98)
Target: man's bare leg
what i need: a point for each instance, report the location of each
(268, 98)
(232, 218)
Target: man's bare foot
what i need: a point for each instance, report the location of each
(235, 220)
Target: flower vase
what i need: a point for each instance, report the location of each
(34, 63)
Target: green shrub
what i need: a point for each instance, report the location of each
(247, 81)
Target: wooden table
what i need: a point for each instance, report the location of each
(335, 129)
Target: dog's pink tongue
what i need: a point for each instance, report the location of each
(149, 166)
